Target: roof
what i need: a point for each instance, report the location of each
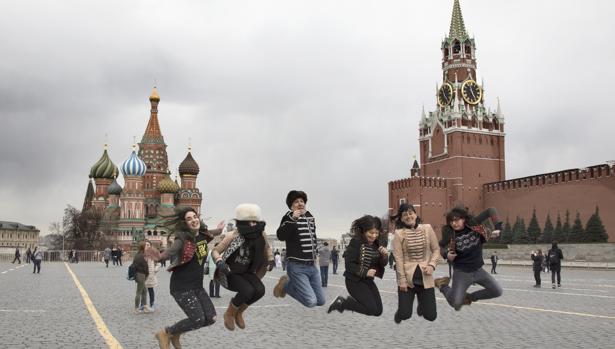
(16, 226)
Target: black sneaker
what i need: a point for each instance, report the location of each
(396, 319)
(419, 310)
(337, 304)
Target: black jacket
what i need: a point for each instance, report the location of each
(537, 265)
(356, 263)
(140, 264)
(300, 236)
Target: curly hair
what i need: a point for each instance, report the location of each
(361, 225)
(403, 208)
(457, 213)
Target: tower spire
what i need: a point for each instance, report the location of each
(458, 28)
(152, 131)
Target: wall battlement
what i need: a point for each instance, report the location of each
(419, 181)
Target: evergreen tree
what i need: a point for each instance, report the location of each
(576, 232)
(566, 228)
(547, 233)
(594, 230)
(533, 230)
(557, 233)
(507, 234)
(520, 235)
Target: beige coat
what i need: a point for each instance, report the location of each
(151, 280)
(216, 253)
(406, 263)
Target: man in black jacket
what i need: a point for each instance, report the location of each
(298, 230)
(554, 260)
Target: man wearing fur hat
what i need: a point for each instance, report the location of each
(242, 259)
(298, 230)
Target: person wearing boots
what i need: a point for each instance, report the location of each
(188, 254)
(416, 251)
(464, 236)
(242, 259)
(298, 230)
(364, 259)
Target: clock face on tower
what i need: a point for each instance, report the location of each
(471, 92)
(446, 93)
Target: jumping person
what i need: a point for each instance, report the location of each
(298, 230)
(364, 259)
(242, 259)
(188, 254)
(464, 236)
(416, 251)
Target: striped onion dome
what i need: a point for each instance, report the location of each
(114, 188)
(189, 166)
(167, 185)
(133, 166)
(104, 167)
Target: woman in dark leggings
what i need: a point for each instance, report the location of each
(365, 258)
(188, 254)
(241, 260)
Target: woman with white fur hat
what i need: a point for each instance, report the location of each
(242, 259)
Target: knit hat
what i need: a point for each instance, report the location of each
(294, 195)
(248, 212)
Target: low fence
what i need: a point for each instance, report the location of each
(63, 256)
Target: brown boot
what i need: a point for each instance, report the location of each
(239, 317)
(175, 341)
(163, 339)
(439, 282)
(229, 316)
(467, 299)
(278, 290)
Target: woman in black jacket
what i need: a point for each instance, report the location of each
(538, 258)
(365, 258)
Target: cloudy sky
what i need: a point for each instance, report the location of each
(323, 96)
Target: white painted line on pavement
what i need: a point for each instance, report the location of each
(546, 310)
(4, 272)
(100, 324)
(551, 293)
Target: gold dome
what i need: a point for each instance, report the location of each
(154, 96)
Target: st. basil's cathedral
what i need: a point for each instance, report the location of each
(149, 194)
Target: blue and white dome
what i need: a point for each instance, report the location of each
(133, 166)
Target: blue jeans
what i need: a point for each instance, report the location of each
(304, 284)
(324, 275)
(462, 280)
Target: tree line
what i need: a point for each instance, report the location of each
(562, 232)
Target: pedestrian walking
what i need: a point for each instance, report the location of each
(242, 259)
(365, 259)
(464, 235)
(151, 256)
(298, 230)
(416, 251)
(28, 255)
(494, 261)
(278, 260)
(555, 257)
(120, 254)
(391, 260)
(142, 271)
(37, 259)
(284, 259)
(107, 256)
(17, 256)
(324, 256)
(537, 260)
(188, 254)
(335, 257)
(210, 269)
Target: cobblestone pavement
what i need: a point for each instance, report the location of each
(46, 310)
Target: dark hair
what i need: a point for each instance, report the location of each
(361, 225)
(177, 221)
(554, 244)
(456, 213)
(294, 195)
(403, 208)
(141, 247)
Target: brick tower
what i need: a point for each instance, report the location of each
(461, 141)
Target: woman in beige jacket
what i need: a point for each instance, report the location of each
(242, 259)
(416, 251)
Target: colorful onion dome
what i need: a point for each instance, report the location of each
(133, 166)
(189, 166)
(103, 168)
(114, 188)
(167, 185)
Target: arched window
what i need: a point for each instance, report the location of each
(456, 47)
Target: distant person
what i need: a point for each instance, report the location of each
(365, 260)
(37, 259)
(391, 260)
(324, 256)
(214, 285)
(28, 255)
(494, 261)
(335, 257)
(298, 230)
(113, 255)
(284, 260)
(107, 256)
(17, 256)
(555, 257)
(537, 260)
(151, 256)
(278, 260)
(464, 235)
(120, 254)
(142, 271)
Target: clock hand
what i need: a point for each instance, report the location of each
(472, 93)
